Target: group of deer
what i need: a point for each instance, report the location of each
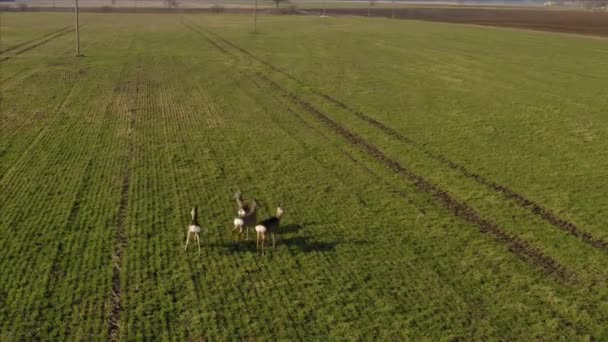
(247, 217)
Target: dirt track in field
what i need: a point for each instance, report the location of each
(567, 21)
(120, 243)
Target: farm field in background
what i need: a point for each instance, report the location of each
(440, 181)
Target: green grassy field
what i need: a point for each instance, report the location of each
(440, 181)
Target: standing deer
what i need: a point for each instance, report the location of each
(247, 215)
(269, 226)
(194, 228)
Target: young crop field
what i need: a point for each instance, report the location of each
(440, 181)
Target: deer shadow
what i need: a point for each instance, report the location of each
(235, 246)
(291, 228)
(304, 244)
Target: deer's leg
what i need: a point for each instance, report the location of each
(257, 242)
(187, 239)
(247, 233)
(273, 244)
(198, 243)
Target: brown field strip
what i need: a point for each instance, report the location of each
(565, 21)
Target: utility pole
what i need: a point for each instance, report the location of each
(77, 30)
(323, 15)
(393, 10)
(255, 17)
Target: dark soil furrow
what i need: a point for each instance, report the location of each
(36, 45)
(519, 247)
(521, 200)
(33, 40)
(121, 234)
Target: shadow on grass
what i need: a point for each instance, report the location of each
(291, 228)
(303, 244)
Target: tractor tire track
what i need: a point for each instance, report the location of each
(564, 320)
(216, 45)
(519, 199)
(506, 192)
(33, 40)
(36, 45)
(520, 248)
(121, 241)
(55, 272)
(346, 153)
(271, 66)
(325, 262)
